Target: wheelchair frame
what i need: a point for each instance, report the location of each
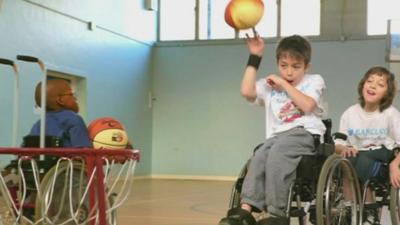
(381, 188)
(389, 196)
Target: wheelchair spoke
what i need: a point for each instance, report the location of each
(334, 206)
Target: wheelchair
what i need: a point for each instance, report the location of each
(383, 193)
(317, 191)
(29, 173)
(62, 183)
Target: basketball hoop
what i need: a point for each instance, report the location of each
(83, 186)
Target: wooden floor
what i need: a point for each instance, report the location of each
(175, 202)
(182, 202)
(179, 202)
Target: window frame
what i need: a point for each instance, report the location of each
(236, 34)
(367, 22)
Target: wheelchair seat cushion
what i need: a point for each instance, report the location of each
(238, 216)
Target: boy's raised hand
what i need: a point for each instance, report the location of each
(255, 43)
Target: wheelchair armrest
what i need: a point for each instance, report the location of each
(340, 136)
(33, 141)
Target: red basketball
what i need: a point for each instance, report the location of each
(107, 132)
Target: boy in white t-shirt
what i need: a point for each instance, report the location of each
(372, 129)
(293, 110)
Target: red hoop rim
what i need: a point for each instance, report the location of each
(133, 154)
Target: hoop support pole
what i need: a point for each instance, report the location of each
(101, 191)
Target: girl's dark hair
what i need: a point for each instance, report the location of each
(296, 46)
(391, 91)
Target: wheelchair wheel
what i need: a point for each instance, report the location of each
(58, 209)
(237, 187)
(395, 206)
(332, 208)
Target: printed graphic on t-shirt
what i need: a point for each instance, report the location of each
(289, 112)
(284, 108)
(368, 134)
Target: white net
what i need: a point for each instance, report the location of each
(66, 190)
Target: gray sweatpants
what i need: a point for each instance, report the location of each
(272, 170)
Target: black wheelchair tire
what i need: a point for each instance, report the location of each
(324, 213)
(395, 206)
(235, 195)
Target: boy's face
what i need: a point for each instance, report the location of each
(375, 89)
(292, 69)
(60, 96)
(68, 100)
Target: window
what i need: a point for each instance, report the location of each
(302, 22)
(378, 13)
(212, 23)
(393, 50)
(178, 19)
(267, 27)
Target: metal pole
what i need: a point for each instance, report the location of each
(43, 94)
(197, 20)
(16, 100)
(278, 27)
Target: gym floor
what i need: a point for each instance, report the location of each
(181, 202)
(175, 202)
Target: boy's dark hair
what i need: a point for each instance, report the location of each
(295, 46)
(391, 91)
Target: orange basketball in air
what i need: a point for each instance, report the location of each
(109, 133)
(244, 14)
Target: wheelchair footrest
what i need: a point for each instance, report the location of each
(296, 212)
